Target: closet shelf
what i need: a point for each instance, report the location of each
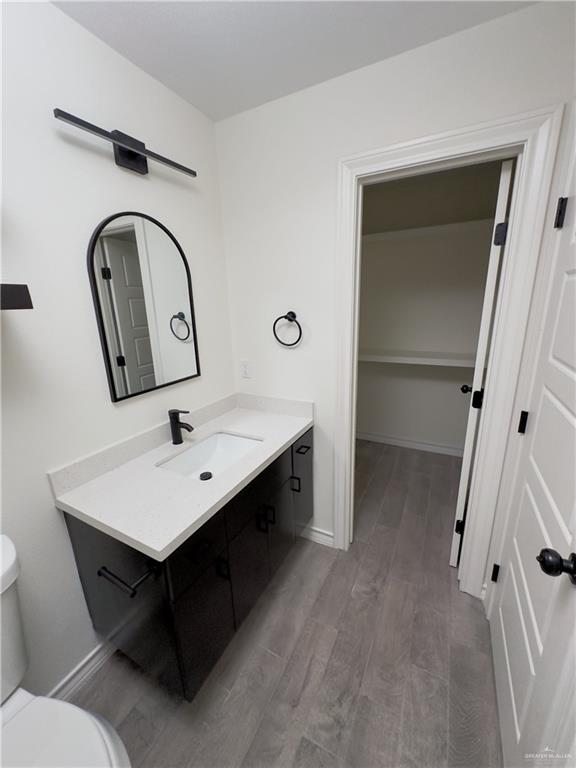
(406, 357)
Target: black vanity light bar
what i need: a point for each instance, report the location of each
(128, 151)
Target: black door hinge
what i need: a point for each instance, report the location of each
(500, 233)
(120, 361)
(478, 398)
(106, 273)
(459, 527)
(495, 572)
(560, 212)
(523, 421)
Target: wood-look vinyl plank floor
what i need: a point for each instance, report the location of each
(424, 732)
(282, 727)
(370, 658)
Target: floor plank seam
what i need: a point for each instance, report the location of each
(320, 746)
(263, 713)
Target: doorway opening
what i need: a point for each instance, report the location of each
(431, 255)
(532, 139)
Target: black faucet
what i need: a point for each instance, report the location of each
(176, 426)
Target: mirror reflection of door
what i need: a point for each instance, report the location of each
(128, 309)
(143, 297)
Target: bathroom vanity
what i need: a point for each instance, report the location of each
(172, 605)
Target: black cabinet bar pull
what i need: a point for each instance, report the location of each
(222, 568)
(303, 450)
(295, 484)
(262, 521)
(270, 513)
(130, 589)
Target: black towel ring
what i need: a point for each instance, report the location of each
(182, 317)
(291, 317)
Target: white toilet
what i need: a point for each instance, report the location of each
(37, 731)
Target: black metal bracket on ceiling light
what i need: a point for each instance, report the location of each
(128, 151)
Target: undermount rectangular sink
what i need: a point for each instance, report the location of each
(212, 455)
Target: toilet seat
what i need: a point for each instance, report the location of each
(48, 733)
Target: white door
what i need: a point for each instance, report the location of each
(127, 290)
(482, 353)
(533, 615)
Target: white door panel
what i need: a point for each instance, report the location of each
(564, 349)
(533, 615)
(129, 304)
(537, 589)
(138, 312)
(551, 466)
(482, 353)
(521, 660)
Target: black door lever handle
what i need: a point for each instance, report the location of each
(553, 564)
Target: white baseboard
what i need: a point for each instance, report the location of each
(75, 679)
(318, 535)
(401, 443)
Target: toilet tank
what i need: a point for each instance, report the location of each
(14, 660)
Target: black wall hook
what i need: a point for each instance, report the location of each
(291, 318)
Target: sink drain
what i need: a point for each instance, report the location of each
(205, 475)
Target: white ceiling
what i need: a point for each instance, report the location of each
(226, 57)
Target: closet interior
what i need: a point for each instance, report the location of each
(425, 253)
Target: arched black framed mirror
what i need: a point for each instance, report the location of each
(142, 294)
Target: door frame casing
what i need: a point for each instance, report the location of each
(533, 137)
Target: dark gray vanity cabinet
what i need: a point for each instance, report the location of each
(175, 618)
(249, 566)
(126, 596)
(280, 520)
(302, 482)
(256, 524)
(200, 597)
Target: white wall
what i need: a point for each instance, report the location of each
(420, 290)
(58, 185)
(278, 170)
(419, 406)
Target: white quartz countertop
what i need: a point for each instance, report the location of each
(154, 510)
